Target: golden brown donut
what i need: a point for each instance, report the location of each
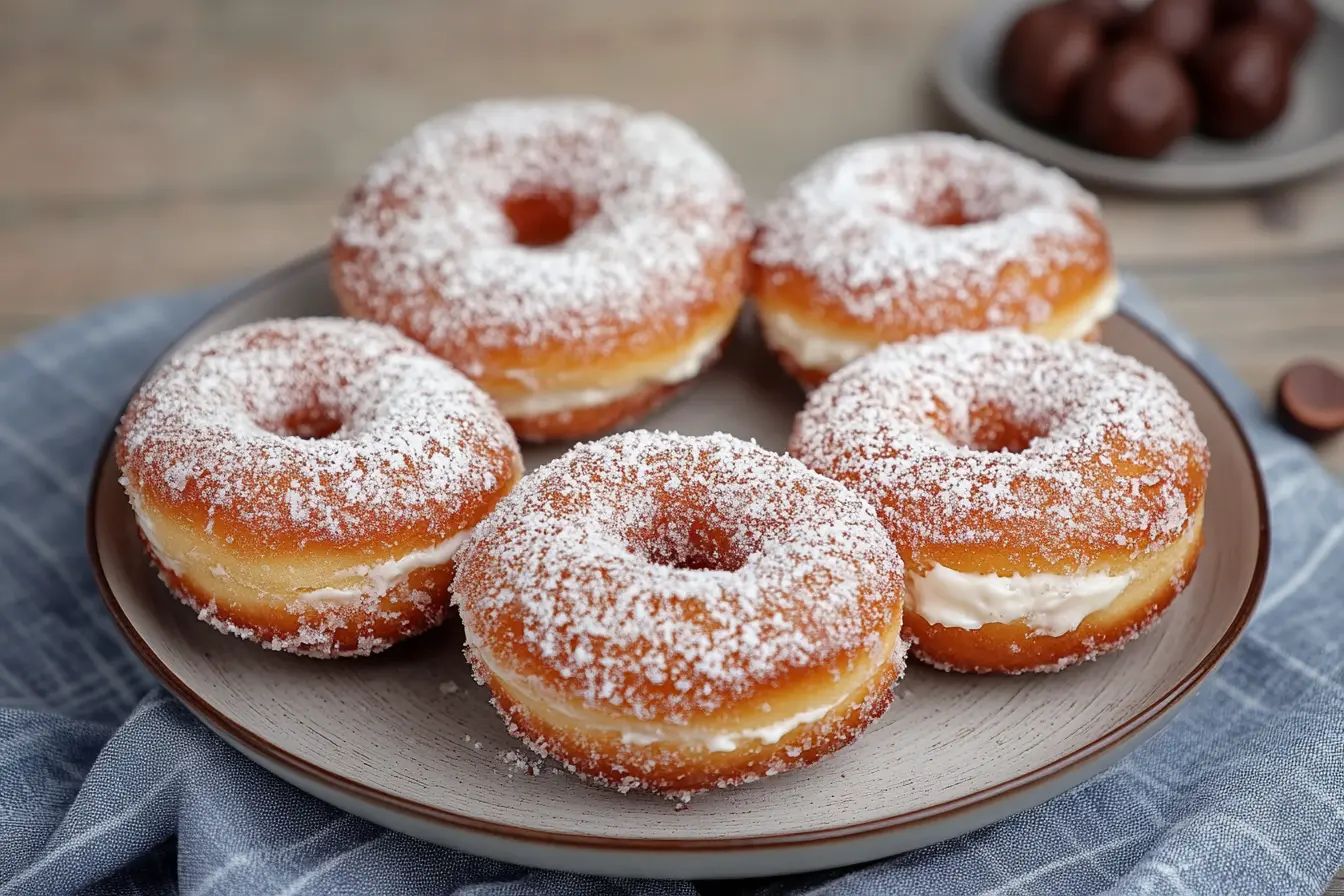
(1047, 497)
(306, 483)
(578, 259)
(676, 613)
(890, 239)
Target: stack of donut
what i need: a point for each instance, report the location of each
(972, 476)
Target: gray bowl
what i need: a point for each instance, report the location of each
(1308, 138)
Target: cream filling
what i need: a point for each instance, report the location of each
(640, 735)
(681, 368)
(1048, 603)
(643, 734)
(817, 351)
(806, 346)
(368, 579)
(382, 577)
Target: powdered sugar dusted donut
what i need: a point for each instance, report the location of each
(306, 483)
(674, 613)
(579, 260)
(889, 239)
(1047, 497)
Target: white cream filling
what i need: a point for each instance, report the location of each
(382, 577)
(682, 368)
(721, 741)
(1048, 603)
(816, 351)
(806, 346)
(377, 578)
(643, 734)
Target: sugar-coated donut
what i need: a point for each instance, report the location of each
(579, 260)
(1047, 497)
(306, 483)
(894, 238)
(673, 613)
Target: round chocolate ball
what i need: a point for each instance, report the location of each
(1294, 19)
(1136, 101)
(1177, 26)
(1046, 52)
(1244, 77)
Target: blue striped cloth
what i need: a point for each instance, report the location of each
(107, 785)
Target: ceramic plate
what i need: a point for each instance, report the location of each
(408, 740)
(1309, 137)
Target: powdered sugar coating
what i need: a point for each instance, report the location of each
(219, 429)
(1112, 463)
(928, 232)
(424, 242)
(661, 576)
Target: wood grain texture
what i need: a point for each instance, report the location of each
(155, 145)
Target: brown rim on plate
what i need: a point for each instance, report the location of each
(220, 722)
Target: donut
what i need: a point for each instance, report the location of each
(305, 484)
(674, 613)
(1047, 497)
(579, 260)
(890, 239)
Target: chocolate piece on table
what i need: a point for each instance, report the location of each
(1244, 78)
(1294, 19)
(1046, 52)
(1309, 401)
(1136, 101)
(1177, 26)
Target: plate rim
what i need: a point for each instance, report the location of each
(1018, 784)
(1148, 176)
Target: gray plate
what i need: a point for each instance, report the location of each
(408, 740)
(1308, 138)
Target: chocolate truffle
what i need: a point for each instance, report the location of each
(1244, 77)
(1136, 101)
(1309, 400)
(1177, 26)
(1046, 52)
(1294, 19)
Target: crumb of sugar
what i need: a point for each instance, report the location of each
(521, 762)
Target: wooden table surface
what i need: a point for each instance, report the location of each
(161, 144)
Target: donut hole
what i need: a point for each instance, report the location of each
(546, 218)
(699, 547)
(997, 431)
(945, 208)
(953, 209)
(307, 423)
